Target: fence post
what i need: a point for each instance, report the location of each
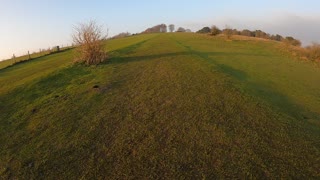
(14, 58)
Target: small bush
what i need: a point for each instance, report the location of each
(215, 30)
(204, 30)
(292, 41)
(227, 32)
(89, 37)
(313, 52)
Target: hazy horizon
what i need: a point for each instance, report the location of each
(41, 24)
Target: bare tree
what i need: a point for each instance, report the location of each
(171, 27)
(88, 37)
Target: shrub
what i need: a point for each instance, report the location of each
(215, 30)
(227, 32)
(247, 32)
(291, 41)
(313, 52)
(88, 37)
(181, 29)
(204, 30)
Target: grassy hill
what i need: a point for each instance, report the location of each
(163, 106)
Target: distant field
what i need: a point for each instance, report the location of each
(24, 58)
(36, 68)
(172, 106)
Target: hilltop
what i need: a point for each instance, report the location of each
(174, 105)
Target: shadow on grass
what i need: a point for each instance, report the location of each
(260, 90)
(124, 60)
(130, 49)
(118, 57)
(270, 95)
(123, 55)
(273, 97)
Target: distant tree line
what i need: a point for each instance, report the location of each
(162, 28)
(214, 30)
(293, 45)
(181, 29)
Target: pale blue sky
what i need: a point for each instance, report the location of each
(33, 24)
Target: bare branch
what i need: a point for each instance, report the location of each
(88, 37)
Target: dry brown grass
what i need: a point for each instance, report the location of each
(313, 52)
(247, 38)
(309, 53)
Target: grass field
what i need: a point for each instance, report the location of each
(182, 106)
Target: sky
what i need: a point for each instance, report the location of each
(34, 24)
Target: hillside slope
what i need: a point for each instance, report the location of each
(164, 106)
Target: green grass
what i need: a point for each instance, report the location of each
(164, 106)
